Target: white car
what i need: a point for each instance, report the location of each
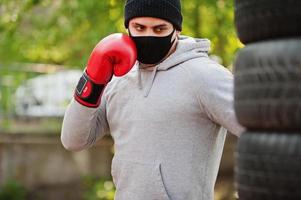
(47, 95)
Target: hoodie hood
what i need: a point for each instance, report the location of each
(187, 48)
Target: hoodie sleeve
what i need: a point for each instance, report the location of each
(215, 93)
(83, 126)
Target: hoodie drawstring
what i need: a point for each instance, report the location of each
(139, 79)
(150, 81)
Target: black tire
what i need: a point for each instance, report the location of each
(268, 166)
(257, 20)
(267, 85)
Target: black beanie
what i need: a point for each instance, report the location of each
(169, 10)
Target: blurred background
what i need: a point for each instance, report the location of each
(44, 47)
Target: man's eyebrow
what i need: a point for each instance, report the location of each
(160, 25)
(137, 24)
(156, 26)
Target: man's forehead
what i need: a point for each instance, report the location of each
(149, 21)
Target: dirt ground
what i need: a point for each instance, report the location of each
(225, 189)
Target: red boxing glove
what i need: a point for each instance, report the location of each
(115, 54)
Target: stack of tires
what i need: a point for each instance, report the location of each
(267, 96)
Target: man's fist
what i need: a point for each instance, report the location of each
(115, 54)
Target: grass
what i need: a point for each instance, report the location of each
(31, 126)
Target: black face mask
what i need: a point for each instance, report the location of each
(152, 49)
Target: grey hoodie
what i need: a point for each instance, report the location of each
(168, 124)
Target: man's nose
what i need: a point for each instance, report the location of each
(149, 32)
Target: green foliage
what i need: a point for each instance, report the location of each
(213, 19)
(65, 32)
(98, 189)
(13, 190)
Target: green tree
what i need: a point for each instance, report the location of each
(65, 32)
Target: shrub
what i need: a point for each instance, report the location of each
(13, 190)
(98, 189)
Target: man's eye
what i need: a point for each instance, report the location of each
(159, 30)
(139, 28)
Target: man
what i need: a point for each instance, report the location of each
(166, 115)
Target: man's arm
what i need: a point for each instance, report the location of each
(85, 118)
(215, 92)
(83, 126)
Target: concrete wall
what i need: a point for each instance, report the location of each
(42, 164)
(40, 161)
